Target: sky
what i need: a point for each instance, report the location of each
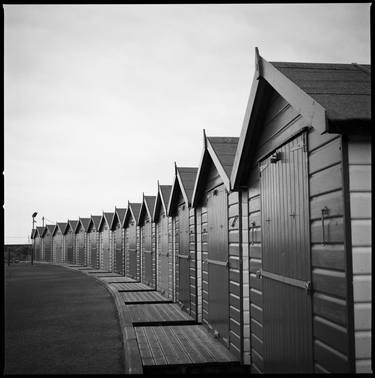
(100, 101)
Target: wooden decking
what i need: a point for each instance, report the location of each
(159, 337)
(132, 286)
(133, 297)
(180, 345)
(157, 314)
(116, 280)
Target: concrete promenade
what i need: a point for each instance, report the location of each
(59, 321)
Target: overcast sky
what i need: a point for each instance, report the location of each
(101, 100)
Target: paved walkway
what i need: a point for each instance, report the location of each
(58, 321)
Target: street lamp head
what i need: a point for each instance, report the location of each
(35, 214)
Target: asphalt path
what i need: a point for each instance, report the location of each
(58, 321)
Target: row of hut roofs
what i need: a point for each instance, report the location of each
(268, 242)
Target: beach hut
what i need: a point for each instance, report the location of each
(217, 229)
(132, 247)
(105, 238)
(48, 243)
(163, 239)
(70, 240)
(147, 241)
(93, 241)
(58, 242)
(81, 240)
(38, 243)
(183, 234)
(303, 169)
(118, 240)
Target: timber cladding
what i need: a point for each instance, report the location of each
(359, 174)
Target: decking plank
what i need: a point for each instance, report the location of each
(144, 347)
(133, 297)
(181, 345)
(157, 312)
(221, 353)
(132, 286)
(174, 354)
(156, 349)
(179, 332)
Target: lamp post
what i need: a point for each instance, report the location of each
(32, 249)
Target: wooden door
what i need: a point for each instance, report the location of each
(81, 247)
(69, 247)
(184, 256)
(218, 277)
(163, 255)
(106, 249)
(94, 249)
(119, 262)
(147, 252)
(132, 240)
(286, 276)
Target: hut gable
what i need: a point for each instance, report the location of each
(62, 227)
(50, 228)
(95, 221)
(332, 98)
(162, 199)
(220, 151)
(40, 231)
(106, 219)
(118, 217)
(183, 184)
(85, 223)
(132, 212)
(147, 207)
(33, 233)
(72, 225)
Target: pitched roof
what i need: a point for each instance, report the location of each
(40, 230)
(50, 227)
(119, 215)
(107, 217)
(344, 90)
(184, 181)
(33, 233)
(134, 209)
(147, 205)
(333, 98)
(62, 226)
(96, 220)
(85, 222)
(165, 191)
(73, 224)
(162, 199)
(188, 176)
(221, 151)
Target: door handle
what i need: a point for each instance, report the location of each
(324, 213)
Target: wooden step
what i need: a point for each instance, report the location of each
(143, 297)
(181, 345)
(156, 314)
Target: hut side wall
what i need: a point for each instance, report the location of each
(139, 262)
(176, 251)
(38, 248)
(198, 233)
(171, 270)
(330, 315)
(126, 251)
(359, 159)
(329, 263)
(153, 251)
(193, 267)
(235, 276)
